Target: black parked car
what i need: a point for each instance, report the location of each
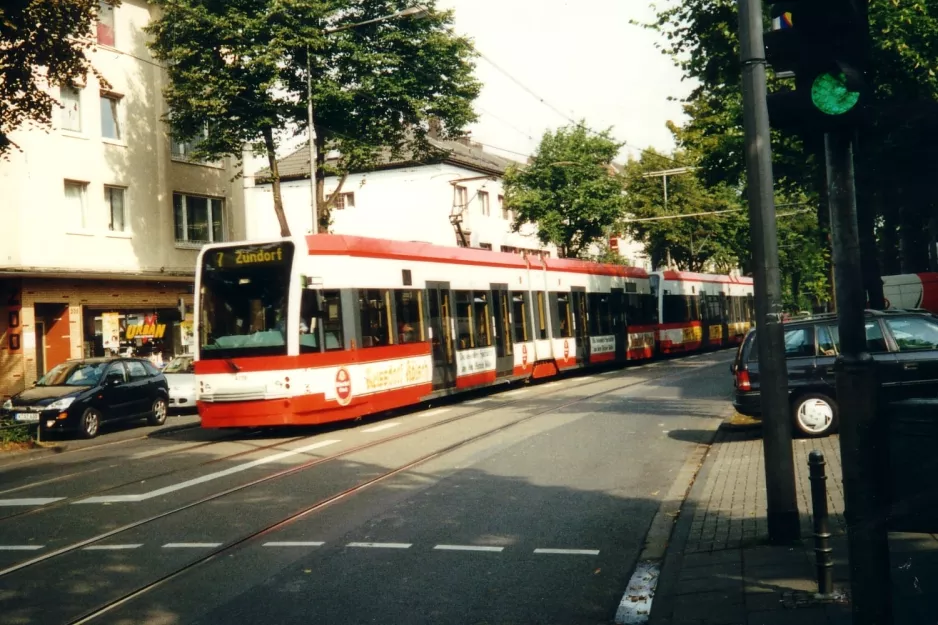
(904, 345)
(82, 394)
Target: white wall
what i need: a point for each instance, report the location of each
(39, 231)
(407, 204)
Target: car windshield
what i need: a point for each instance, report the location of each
(73, 374)
(180, 364)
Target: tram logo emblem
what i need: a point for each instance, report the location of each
(343, 387)
(524, 355)
(566, 349)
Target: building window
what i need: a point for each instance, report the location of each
(110, 116)
(344, 200)
(198, 219)
(75, 203)
(71, 109)
(182, 150)
(114, 197)
(484, 203)
(105, 23)
(485, 246)
(461, 197)
(506, 214)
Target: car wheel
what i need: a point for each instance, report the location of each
(815, 415)
(90, 423)
(158, 412)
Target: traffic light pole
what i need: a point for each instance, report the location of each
(863, 435)
(782, 504)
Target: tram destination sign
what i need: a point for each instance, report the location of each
(267, 255)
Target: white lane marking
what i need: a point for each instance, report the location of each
(30, 501)
(206, 478)
(294, 543)
(383, 426)
(381, 545)
(191, 545)
(570, 552)
(520, 391)
(635, 607)
(467, 548)
(476, 402)
(585, 378)
(21, 547)
(433, 413)
(112, 547)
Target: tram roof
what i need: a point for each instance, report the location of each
(365, 247)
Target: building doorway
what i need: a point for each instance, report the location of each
(53, 339)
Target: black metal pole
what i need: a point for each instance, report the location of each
(863, 436)
(823, 553)
(781, 501)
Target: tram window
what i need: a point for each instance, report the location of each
(680, 309)
(464, 319)
(409, 307)
(375, 310)
(600, 307)
(541, 316)
(310, 316)
(482, 320)
(631, 287)
(519, 316)
(565, 315)
(332, 320)
(640, 310)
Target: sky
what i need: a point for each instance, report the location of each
(582, 57)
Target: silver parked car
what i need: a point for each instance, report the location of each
(180, 374)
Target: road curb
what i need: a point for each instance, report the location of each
(637, 601)
(15, 457)
(175, 428)
(673, 560)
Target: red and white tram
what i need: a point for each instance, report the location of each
(701, 311)
(913, 290)
(334, 327)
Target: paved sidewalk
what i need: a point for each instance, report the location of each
(720, 571)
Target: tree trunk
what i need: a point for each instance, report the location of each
(324, 210)
(275, 179)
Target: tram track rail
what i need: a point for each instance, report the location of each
(248, 538)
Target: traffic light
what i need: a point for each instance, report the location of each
(825, 44)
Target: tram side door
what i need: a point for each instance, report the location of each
(501, 318)
(441, 334)
(619, 322)
(582, 324)
(725, 319)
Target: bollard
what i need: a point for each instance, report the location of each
(823, 553)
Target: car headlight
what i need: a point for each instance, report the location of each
(8, 405)
(61, 404)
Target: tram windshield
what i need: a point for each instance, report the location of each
(243, 301)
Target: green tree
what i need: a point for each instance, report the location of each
(701, 37)
(239, 69)
(569, 189)
(42, 42)
(699, 226)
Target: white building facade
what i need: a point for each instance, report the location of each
(103, 217)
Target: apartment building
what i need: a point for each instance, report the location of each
(103, 218)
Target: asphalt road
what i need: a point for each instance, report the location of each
(526, 506)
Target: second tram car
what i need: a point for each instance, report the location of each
(331, 327)
(701, 311)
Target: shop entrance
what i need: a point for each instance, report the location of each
(53, 339)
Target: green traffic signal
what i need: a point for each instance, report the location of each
(831, 95)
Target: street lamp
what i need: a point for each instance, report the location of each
(416, 12)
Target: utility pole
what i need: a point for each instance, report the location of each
(783, 520)
(863, 435)
(313, 169)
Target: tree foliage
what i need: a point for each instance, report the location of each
(239, 68)
(42, 42)
(701, 36)
(694, 243)
(568, 190)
